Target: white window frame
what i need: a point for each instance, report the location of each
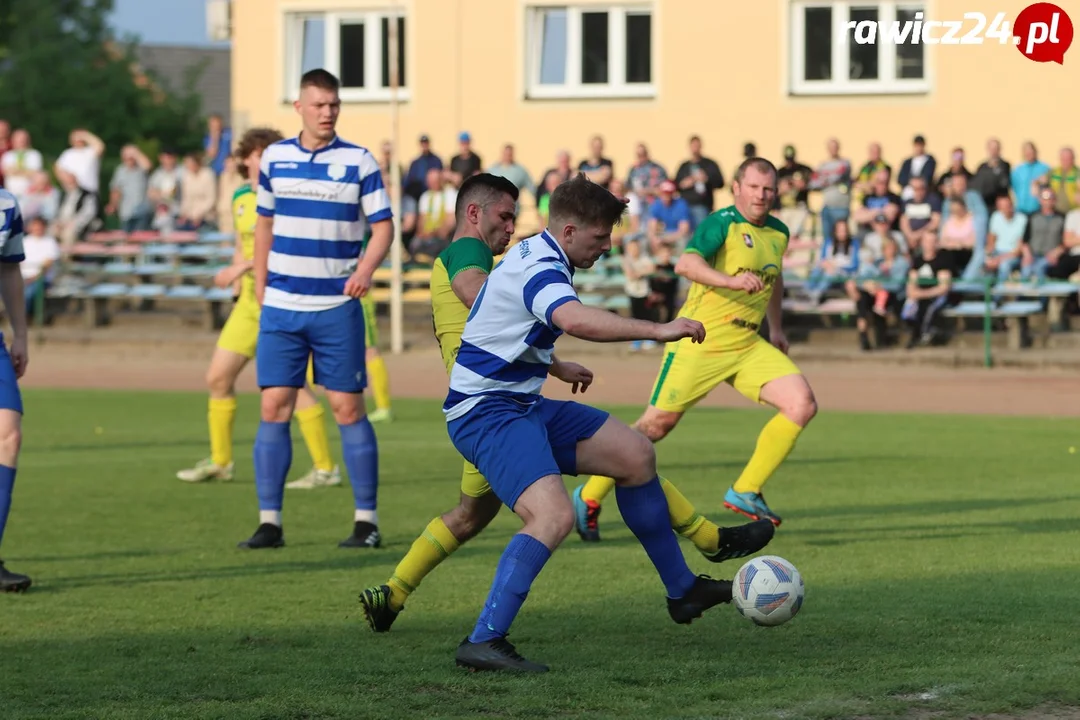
(841, 84)
(332, 22)
(572, 87)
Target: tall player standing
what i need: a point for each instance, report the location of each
(734, 264)
(317, 197)
(12, 367)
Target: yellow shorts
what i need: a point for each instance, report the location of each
(241, 332)
(689, 374)
(371, 326)
(473, 483)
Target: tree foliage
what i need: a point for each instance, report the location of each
(61, 68)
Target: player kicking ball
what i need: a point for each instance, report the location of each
(734, 263)
(12, 366)
(485, 213)
(236, 344)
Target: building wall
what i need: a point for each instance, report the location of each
(721, 70)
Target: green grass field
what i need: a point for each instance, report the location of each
(939, 554)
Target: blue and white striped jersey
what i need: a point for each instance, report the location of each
(509, 338)
(322, 203)
(11, 229)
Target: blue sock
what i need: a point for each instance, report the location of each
(7, 485)
(273, 456)
(361, 454)
(645, 511)
(521, 562)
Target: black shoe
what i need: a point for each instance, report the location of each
(267, 535)
(376, 604)
(12, 582)
(864, 342)
(497, 654)
(705, 593)
(743, 540)
(364, 535)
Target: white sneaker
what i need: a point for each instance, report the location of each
(316, 479)
(380, 415)
(205, 470)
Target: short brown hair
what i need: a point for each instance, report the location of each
(254, 139)
(322, 79)
(585, 202)
(483, 189)
(758, 163)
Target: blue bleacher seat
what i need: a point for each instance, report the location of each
(186, 292)
(161, 250)
(594, 299)
(148, 268)
(108, 290)
(215, 237)
(617, 302)
(221, 294)
(977, 308)
(199, 271)
(969, 287)
(119, 268)
(147, 291)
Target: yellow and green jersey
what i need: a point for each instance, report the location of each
(448, 312)
(733, 245)
(244, 217)
(1065, 184)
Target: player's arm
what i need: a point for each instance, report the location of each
(264, 227)
(13, 291)
(774, 310)
(466, 285)
(695, 264)
(375, 202)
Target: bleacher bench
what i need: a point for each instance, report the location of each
(1015, 314)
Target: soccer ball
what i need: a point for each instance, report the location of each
(768, 590)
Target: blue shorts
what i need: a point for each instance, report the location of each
(514, 445)
(333, 339)
(10, 397)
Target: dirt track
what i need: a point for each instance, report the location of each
(857, 386)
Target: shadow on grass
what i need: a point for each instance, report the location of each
(943, 507)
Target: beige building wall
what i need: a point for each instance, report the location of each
(720, 69)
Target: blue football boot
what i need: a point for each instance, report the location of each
(752, 505)
(586, 517)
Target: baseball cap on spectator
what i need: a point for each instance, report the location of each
(789, 152)
(464, 137)
(667, 187)
(749, 150)
(425, 139)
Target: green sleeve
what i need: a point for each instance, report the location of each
(771, 221)
(467, 254)
(710, 235)
(242, 190)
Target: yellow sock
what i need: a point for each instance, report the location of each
(221, 414)
(776, 441)
(597, 488)
(379, 380)
(432, 547)
(686, 521)
(313, 429)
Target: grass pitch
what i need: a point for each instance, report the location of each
(939, 553)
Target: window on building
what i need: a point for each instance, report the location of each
(826, 59)
(590, 51)
(354, 46)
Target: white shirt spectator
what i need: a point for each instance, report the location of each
(40, 251)
(13, 161)
(435, 205)
(84, 164)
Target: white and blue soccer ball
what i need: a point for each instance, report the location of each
(768, 590)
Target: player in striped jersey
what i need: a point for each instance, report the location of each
(523, 443)
(317, 197)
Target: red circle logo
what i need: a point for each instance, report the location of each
(1043, 32)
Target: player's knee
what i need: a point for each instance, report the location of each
(801, 407)
(371, 353)
(220, 384)
(561, 521)
(276, 408)
(347, 415)
(10, 443)
(656, 428)
(640, 457)
(466, 521)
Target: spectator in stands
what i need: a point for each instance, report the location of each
(874, 164)
(1069, 264)
(513, 171)
(436, 224)
(637, 268)
(466, 163)
(839, 260)
(993, 176)
(5, 144)
(630, 225)
(198, 195)
(921, 164)
(956, 167)
(596, 167)
(921, 215)
(19, 164)
(872, 245)
(561, 171)
(957, 189)
(833, 179)
(42, 252)
(957, 242)
(217, 145)
(551, 181)
(415, 181)
(669, 220)
(1027, 179)
(793, 194)
(127, 191)
(878, 201)
(408, 203)
(163, 191)
(881, 268)
(664, 284)
(1044, 243)
(83, 161)
(645, 175)
(1064, 180)
(77, 213)
(41, 199)
(698, 179)
(929, 291)
(1005, 238)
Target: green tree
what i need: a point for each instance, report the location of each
(61, 68)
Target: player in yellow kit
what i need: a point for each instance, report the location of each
(486, 207)
(734, 262)
(236, 344)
